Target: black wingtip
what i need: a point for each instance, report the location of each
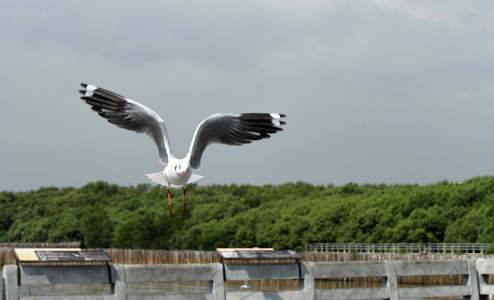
(84, 85)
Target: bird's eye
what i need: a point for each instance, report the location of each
(175, 167)
(179, 167)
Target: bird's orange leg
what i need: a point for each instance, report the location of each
(183, 210)
(169, 203)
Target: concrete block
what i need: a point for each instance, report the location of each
(416, 268)
(485, 266)
(252, 295)
(435, 291)
(363, 293)
(171, 297)
(71, 298)
(349, 270)
(169, 272)
(38, 275)
(261, 271)
(64, 291)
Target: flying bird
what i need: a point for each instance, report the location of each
(228, 129)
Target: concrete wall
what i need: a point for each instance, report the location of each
(151, 281)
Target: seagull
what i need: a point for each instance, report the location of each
(227, 129)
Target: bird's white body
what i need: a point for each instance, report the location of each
(228, 129)
(178, 175)
(173, 175)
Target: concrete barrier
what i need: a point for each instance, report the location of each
(151, 281)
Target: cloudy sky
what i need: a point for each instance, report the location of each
(374, 91)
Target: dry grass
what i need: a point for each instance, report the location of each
(139, 256)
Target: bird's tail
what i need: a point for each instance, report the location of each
(159, 178)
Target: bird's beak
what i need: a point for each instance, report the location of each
(184, 172)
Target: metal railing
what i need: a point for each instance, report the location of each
(399, 247)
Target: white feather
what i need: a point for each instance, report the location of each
(194, 177)
(159, 178)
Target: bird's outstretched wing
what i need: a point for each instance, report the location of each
(232, 129)
(128, 114)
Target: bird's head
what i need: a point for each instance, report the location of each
(182, 168)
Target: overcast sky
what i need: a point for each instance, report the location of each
(374, 91)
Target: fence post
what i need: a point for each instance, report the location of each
(307, 282)
(11, 282)
(472, 281)
(218, 284)
(392, 280)
(118, 281)
(483, 279)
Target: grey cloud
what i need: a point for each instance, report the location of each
(374, 91)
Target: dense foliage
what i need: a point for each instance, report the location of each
(285, 216)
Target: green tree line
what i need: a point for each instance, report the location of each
(284, 216)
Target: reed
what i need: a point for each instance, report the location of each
(141, 256)
(41, 245)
